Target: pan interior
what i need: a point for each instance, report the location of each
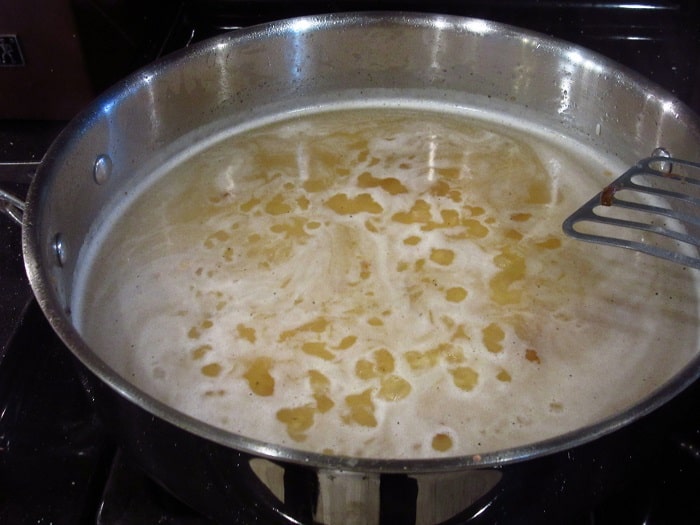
(384, 280)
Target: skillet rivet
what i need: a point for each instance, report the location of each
(59, 249)
(102, 169)
(662, 166)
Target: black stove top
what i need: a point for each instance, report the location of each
(57, 463)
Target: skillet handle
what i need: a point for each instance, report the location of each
(12, 206)
(17, 175)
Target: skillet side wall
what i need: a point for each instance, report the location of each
(222, 483)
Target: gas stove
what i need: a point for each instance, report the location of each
(59, 465)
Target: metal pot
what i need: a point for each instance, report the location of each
(301, 62)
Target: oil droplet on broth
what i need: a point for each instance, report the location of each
(361, 409)
(297, 421)
(442, 442)
(259, 378)
(465, 378)
(456, 294)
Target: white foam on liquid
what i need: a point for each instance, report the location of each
(163, 282)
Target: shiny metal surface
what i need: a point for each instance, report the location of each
(664, 177)
(298, 63)
(12, 205)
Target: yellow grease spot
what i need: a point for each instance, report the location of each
(318, 325)
(441, 188)
(343, 205)
(277, 206)
(365, 269)
(361, 409)
(465, 378)
(428, 359)
(471, 229)
(250, 204)
(384, 360)
(493, 336)
(450, 219)
(452, 354)
(216, 238)
(412, 240)
(346, 342)
(298, 421)
(422, 360)
(320, 386)
(442, 442)
(291, 229)
(419, 213)
(390, 184)
(539, 193)
(474, 211)
(456, 294)
(245, 332)
(211, 370)
(317, 349)
(315, 185)
(513, 234)
(393, 388)
(503, 376)
(551, 243)
(512, 269)
(442, 256)
(365, 369)
(520, 217)
(382, 364)
(375, 321)
(195, 332)
(201, 351)
(460, 333)
(449, 173)
(258, 376)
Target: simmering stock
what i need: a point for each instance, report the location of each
(386, 282)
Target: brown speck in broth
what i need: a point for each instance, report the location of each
(556, 407)
(607, 196)
(532, 356)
